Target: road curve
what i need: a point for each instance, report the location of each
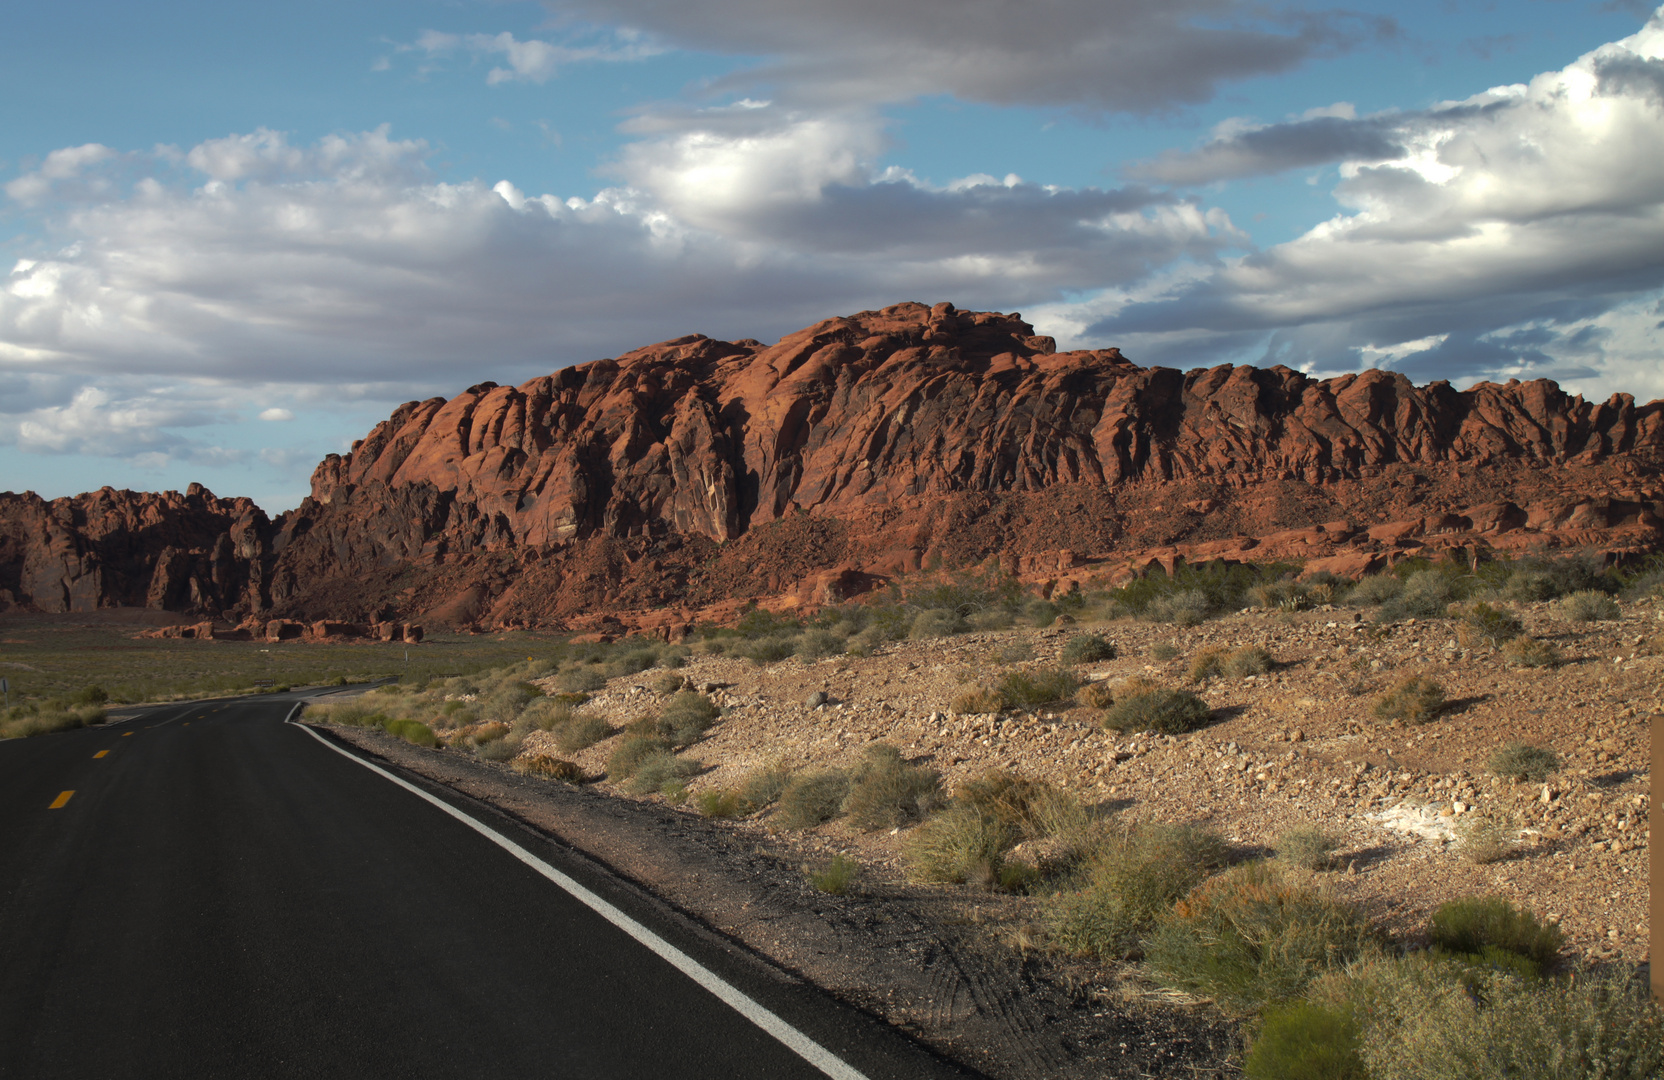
(207, 891)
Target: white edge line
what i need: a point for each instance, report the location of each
(731, 995)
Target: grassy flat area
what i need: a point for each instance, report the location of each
(47, 656)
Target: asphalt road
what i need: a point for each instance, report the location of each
(226, 895)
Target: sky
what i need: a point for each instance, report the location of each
(235, 236)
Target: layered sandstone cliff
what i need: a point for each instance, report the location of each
(695, 470)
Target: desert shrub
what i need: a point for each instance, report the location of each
(660, 770)
(1427, 594)
(1087, 649)
(1015, 651)
(1096, 695)
(1246, 661)
(88, 695)
(813, 798)
(581, 679)
(837, 876)
(1522, 761)
(630, 753)
(496, 750)
(413, 731)
(1282, 595)
(1472, 924)
(1424, 1018)
(976, 699)
(1041, 613)
(1169, 712)
(1484, 624)
(992, 619)
(581, 733)
(1309, 847)
(819, 644)
(507, 700)
(1587, 606)
(1136, 873)
(1487, 836)
(19, 724)
(959, 846)
(886, 792)
(1181, 609)
(1251, 936)
(549, 767)
(1006, 797)
(1527, 586)
(1376, 589)
(937, 622)
(769, 650)
(763, 786)
(665, 682)
(1207, 664)
(488, 733)
(1529, 652)
(547, 714)
(719, 804)
(1163, 651)
(1026, 688)
(1414, 700)
(1306, 1041)
(674, 657)
(685, 717)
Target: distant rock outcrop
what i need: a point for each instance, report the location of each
(695, 471)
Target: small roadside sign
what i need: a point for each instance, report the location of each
(6, 688)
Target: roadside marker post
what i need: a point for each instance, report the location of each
(6, 688)
(1655, 867)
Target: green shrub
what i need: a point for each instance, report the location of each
(1026, 688)
(1467, 927)
(581, 680)
(763, 786)
(813, 798)
(1306, 1041)
(507, 700)
(725, 803)
(1588, 606)
(674, 657)
(413, 731)
(1169, 712)
(549, 767)
(547, 714)
(1529, 652)
(937, 622)
(837, 876)
(1246, 661)
(581, 732)
(1527, 586)
(660, 770)
(1250, 937)
(1483, 624)
(1309, 847)
(1522, 761)
(1414, 700)
(1015, 651)
(496, 750)
(1376, 589)
(1424, 1018)
(1181, 609)
(1136, 873)
(1087, 649)
(885, 792)
(1163, 651)
(959, 846)
(665, 682)
(630, 753)
(819, 644)
(1040, 613)
(685, 717)
(770, 650)
(1283, 595)
(89, 695)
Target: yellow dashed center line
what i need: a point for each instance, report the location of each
(58, 803)
(100, 754)
(127, 734)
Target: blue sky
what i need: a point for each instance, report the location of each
(237, 235)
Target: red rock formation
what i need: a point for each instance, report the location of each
(693, 471)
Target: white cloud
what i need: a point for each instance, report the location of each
(532, 60)
(275, 413)
(61, 173)
(1513, 226)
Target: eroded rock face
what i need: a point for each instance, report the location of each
(693, 471)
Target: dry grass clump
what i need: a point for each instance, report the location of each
(976, 699)
(1186, 608)
(813, 798)
(961, 846)
(549, 767)
(1529, 652)
(1487, 835)
(886, 792)
(764, 785)
(935, 623)
(724, 803)
(971, 841)
(412, 731)
(1523, 761)
(1376, 589)
(1230, 663)
(685, 717)
(22, 724)
(1087, 649)
(1587, 605)
(1135, 874)
(1253, 935)
(665, 682)
(581, 732)
(1096, 695)
(1485, 624)
(581, 679)
(1020, 688)
(836, 877)
(1309, 847)
(1142, 707)
(1414, 700)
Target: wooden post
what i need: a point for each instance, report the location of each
(1655, 865)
